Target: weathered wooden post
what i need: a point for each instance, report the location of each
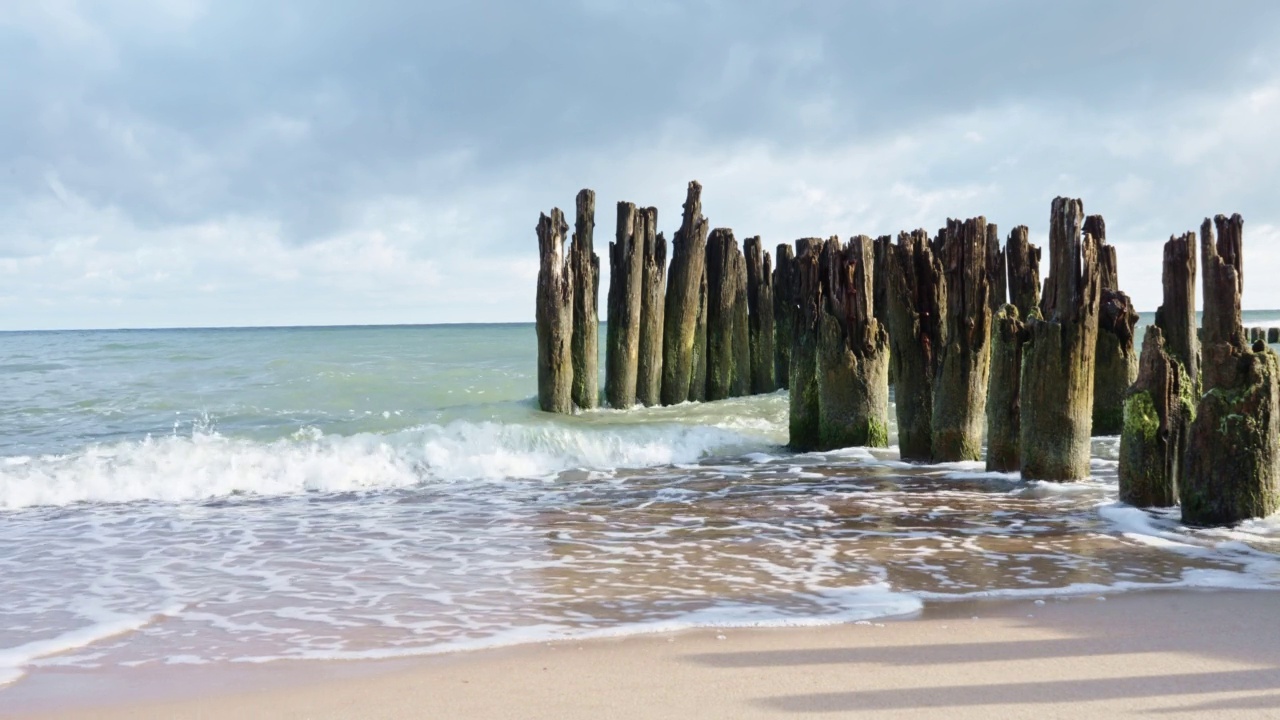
(853, 350)
(1157, 410)
(1273, 336)
(585, 265)
(652, 301)
(685, 291)
(622, 337)
(1003, 406)
(726, 286)
(760, 314)
(784, 311)
(883, 246)
(960, 391)
(806, 290)
(1176, 316)
(1117, 359)
(1023, 260)
(1233, 449)
(997, 275)
(1059, 357)
(554, 310)
(916, 304)
(698, 381)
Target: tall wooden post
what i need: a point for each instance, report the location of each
(1233, 449)
(853, 350)
(760, 317)
(916, 306)
(626, 279)
(652, 301)
(1059, 357)
(806, 289)
(554, 310)
(685, 290)
(1117, 358)
(960, 391)
(784, 311)
(585, 265)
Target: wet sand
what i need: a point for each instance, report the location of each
(1153, 654)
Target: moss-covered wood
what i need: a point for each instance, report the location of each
(960, 390)
(585, 265)
(1059, 356)
(652, 301)
(1176, 315)
(1003, 405)
(1233, 448)
(554, 315)
(916, 302)
(806, 291)
(1023, 260)
(626, 285)
(760, 317)
(685, 291)
(784, 310)
(1157, 411)
(853, 350)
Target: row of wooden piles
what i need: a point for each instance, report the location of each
(700, 329)
(957, 325)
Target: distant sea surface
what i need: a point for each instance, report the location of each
(246, 495)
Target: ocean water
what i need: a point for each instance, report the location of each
(243, 496)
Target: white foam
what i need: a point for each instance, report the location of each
(210, 465)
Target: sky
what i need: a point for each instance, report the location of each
(270, 162)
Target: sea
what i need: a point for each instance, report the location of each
(213, 497)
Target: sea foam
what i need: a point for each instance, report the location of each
(208, 465)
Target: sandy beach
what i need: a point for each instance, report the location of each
(1161, 654)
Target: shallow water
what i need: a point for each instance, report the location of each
(196, 496)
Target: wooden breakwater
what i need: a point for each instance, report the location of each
(983, 359)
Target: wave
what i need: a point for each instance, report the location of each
(209, 465)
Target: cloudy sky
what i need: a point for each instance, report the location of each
(263, 162)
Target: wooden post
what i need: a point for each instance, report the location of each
(916, 304)
(698, 381)
(997, 275)
(1116, 357)
(806, 289)
(726, 285)
(960, 391)
(1023, 260)
(883, 246)
(853, 350)
(554, 310)
(784, 311)
(1003, 405)
(1157, 410)
(1059, 357)
(626, 280)
(1176, 316)
(1233, 457)
(585, 265)
(760, 313)
(1273, 336)
(685, 280)
(652, 301)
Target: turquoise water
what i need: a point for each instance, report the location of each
(245, 495)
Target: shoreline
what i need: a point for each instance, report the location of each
(1194, 652)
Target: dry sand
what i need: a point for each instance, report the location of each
(1156, 655)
